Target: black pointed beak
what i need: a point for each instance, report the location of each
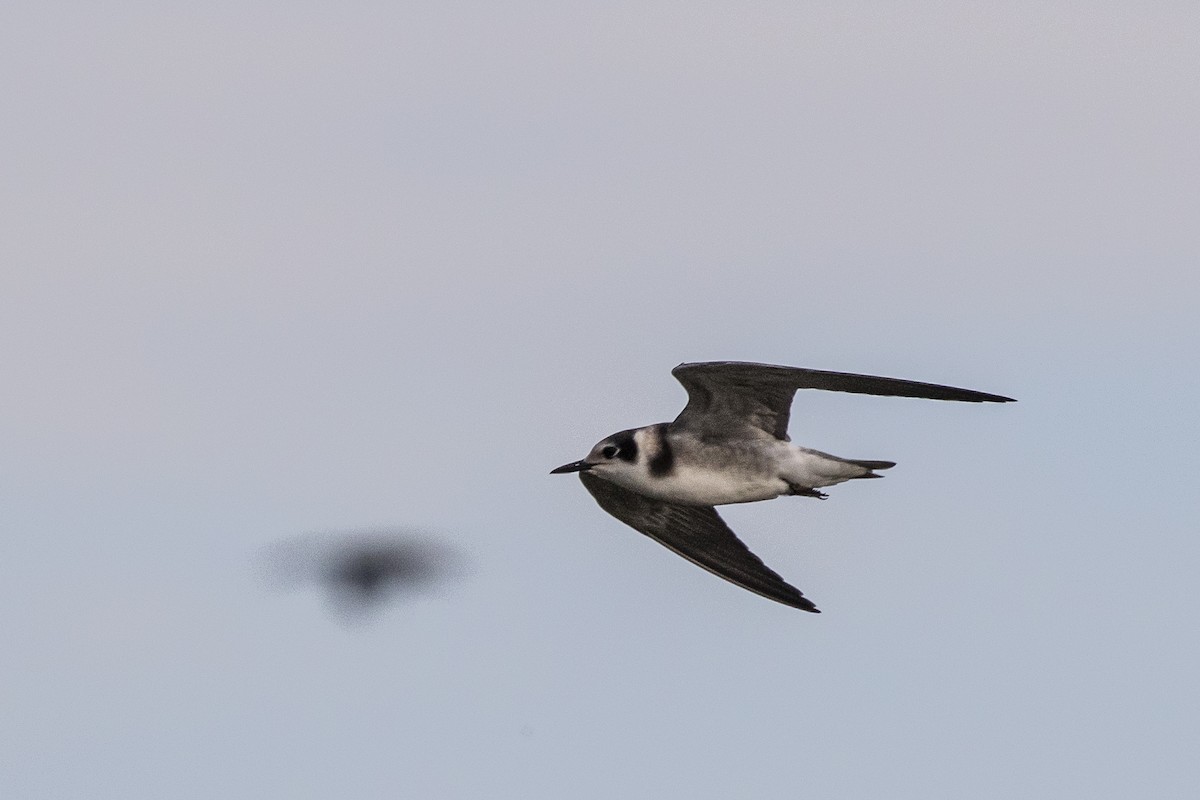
(574, 466)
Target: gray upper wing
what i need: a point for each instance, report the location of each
(698, 534)
(757, 398)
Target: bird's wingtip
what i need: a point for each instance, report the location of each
(804, 604)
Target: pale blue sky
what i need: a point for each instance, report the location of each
(307, 267)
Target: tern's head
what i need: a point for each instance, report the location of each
(610, 457)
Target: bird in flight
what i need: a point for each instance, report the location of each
(362, 570)
(730, 445)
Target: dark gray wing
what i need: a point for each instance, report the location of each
(698, 534)
(757, 398)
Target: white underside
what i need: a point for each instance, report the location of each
(784, 465)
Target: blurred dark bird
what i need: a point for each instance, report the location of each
(730, 445)
(365, 569)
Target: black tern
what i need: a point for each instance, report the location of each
(730, 445)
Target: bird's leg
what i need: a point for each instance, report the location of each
(805, 491)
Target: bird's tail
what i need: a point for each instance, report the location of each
(871, 465)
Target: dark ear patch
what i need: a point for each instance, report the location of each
(627, 449)
(664, 460)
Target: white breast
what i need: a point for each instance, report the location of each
(707, 487)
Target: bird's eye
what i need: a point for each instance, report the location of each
(609, 452)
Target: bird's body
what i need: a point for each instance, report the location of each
(679, 466)
(730, 445)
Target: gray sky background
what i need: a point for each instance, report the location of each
(288, 268)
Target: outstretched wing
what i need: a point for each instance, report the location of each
(698, 534)
(753, 399)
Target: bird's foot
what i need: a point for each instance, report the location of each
(805, 491)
